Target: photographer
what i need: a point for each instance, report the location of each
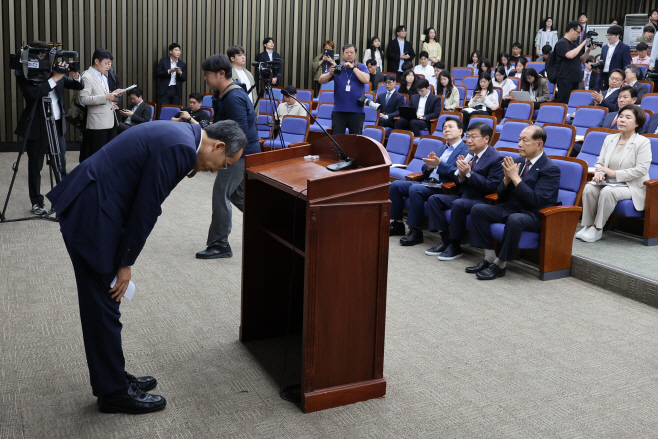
(568, 57)
(348, 88)
(32, 93)
(615, 55)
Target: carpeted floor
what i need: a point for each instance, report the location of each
(515, 357)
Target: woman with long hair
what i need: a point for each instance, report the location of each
(476, 56)
(484, 99)
(445, 88)
(536, 85)
(431, 46)
(409, 83)
(504, 61)
(375, 51)
(485, 66)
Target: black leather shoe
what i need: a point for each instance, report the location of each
(396, 229)
(479, 267)
(415, 236)
(142, 383)
(451, 253)
(437, 249)
(132, 401)
(215, 252)
(492, 272)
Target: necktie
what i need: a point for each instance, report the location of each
(475, 160)
(526, 168)
(587, 80)
(388, 95)
(614, 121)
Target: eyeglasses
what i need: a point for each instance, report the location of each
(471, 137)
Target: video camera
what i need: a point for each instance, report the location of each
(590, 36)
(30, 64)
(651, 75)
(266, 70)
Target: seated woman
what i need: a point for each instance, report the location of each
(502, 81)
(537, 86)
(475, 62)
(504, 62)
(483, 101)
(625, 159)
(409, 85)
(485, 66)
(519, 68)
(449, 92)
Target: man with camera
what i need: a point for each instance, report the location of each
(568, 56)
(615, 55)
(33, 92)
(349, 78)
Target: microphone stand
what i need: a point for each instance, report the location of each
(345, 162)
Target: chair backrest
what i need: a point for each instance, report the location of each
(276, 93)
(573, 176)
(510, 152)
(462, 94)
(648, 85)
(500, 94)
(643, 67)
(426, 144)
(264, 131)
(470, 82)
(509, 135)
(442, 119)
(305, 94)
(551, 88)
(295, 128)
(268, 106)
(588, 116)
(579, 98)
(519, 110)
(169, 111)
(324, 112)
(559, 139)
(551, 112)
(650, 102)
(649, 114)
(593, 143)
(381, 88)
(208, 111)
(154, 108)
(207, 100)
(406, 98)
(460, 72)
(326, 96)
(372, 116)
(306, 104)
(515, 81)
(489, 120)
(399, 146)
(375, 133)
(538, 66)
(329, 86)
(653, 168)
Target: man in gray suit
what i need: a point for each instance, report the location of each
(632, 74)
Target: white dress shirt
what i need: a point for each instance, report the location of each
(608, 58)
(245, 80)
(427, 72)
(270, 53)
(174, 64)
(421, 105)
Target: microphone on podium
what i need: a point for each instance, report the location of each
(345, 162)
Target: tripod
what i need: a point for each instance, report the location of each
(269, 94)
(51, 149)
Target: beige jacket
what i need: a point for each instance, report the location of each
(452, 102)
(634, 164)
(100, 112)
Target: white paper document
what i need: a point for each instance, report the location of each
(130, 291)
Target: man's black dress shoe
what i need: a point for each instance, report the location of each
(132, 400)
(493, 271)
(144, 384)
(396, 229)
(451, 253)
(479, 267)
(437, 249)
(219, 251)
(415, 236)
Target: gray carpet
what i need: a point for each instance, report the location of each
(515, 357)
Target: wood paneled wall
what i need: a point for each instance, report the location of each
(137, 32)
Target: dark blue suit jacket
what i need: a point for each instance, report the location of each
(653, 125)
(485, 177)
(610, 101)
(394, 102)
(109, 204)
(446, 169)
(620, 58)
(433, 106)
(607, 120)
(538, 190)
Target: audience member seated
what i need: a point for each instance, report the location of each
(530, 183)
(633, 73)
(322, 63)
(476, 56)
(409, 83)
(627, 95)
(425, 68)
(140, 111)
(428, 107)
(504, 62)
(431, 46)
(502, 81)
(375, 51)
(642, 58)
(591, 78)
(647, 35)
(390, 101)
(449, 92)
(484, 99)
(194, 110)
(439, 168)
(546, 36)
(519, 68)
(536, 86)
(289, 106)
(608, 98)
(517, 48)
(621, 170)
(485, 67)
(545, 52)
(476, 178)
(438, 68)
(375, 76)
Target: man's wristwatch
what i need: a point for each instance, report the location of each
(468, 175)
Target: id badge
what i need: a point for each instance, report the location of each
(347, 88)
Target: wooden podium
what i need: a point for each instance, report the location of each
(315, 261)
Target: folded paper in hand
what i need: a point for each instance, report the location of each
(130, 291)
(467, 159)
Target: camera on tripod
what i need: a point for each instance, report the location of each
(590, 36)
(266, 70)
(30, 64)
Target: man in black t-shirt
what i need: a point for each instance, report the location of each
(568, 58)
(194, 111)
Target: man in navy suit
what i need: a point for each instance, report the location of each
(652, 127)
(476, 178)
(615, 55)
(530, 183)
(626, 95)
(399, 51)
(270, 55)
(438, 169)
(608, 98)
(107, 208)
(428, 106)
(390, 102)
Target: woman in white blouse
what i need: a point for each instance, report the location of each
(374, 51)
(546, 36)
(446, 89)
(504, 62)
(476, 57)
(483, 101)
(621, 170)
(502, 81)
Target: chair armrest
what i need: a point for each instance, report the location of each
(491, 197)
(448, 185)
(559, 209)
(399, 165)
(450, 188)
(433, 125)
(653, 182)
(416, 176)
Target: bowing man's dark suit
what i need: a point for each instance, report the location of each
(518, 207)
(395, 101)
(107, 208)
(433, 109)
(485, 177)
(621, 58)
(417, 193)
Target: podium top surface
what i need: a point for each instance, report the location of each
(295, 173)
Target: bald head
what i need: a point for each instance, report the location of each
(531, 142)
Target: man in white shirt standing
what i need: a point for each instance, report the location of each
(615, 55)
(171, 74)
(238, 61)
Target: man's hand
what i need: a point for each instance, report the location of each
(118, 92)
(598, 97)
(349, 65)
(75, 75)
(463, 166)
(110, 97)
(127, 113)
(420, 117)
(58, 76)
(121, 285)
(184, 115)
(511, 171)
(115, 106)
(383, 116)
(432, 161)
